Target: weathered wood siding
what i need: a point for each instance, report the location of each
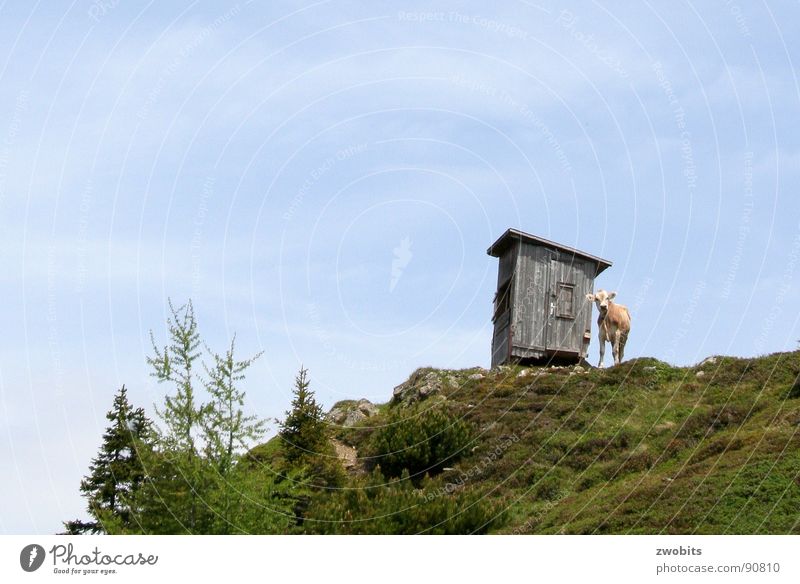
(570, 313)
(546, 313)
(530, 301)
(508, 265)
(502, 321)
(549, 309)
(500, 345)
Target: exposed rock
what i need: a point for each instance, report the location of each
(431, 386)
(524, 373)
(347, 455)
(367, 408)
(578, 369)
(700, 374)
(418, 387)
(476, 376)
(349, 413)
(708, 361)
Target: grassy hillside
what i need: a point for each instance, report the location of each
(639, 448)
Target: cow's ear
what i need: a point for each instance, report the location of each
(590, 297)
(612, 295)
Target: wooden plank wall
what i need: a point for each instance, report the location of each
(566, 334)
(500, 346)
(537, 272)
(505, 270)
(530, 299)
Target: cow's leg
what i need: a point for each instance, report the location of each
(617, 347)
(622, 341)
(602, 349)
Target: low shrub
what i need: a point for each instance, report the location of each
(422, 440)
(375, 506)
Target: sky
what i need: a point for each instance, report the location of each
(323, 180)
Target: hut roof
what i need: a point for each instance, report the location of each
(511, 235)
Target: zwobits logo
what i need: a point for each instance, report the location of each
(31, 557)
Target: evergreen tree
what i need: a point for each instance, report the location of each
(190, 477)
(306, 443)
(117, 472)
(174, 499)
(303, 431)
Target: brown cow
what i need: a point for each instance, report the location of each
(614, 323)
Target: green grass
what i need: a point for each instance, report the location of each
(639, 448)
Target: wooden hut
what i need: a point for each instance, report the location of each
(540, 307)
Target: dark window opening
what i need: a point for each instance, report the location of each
(565, 300)
(502, 300)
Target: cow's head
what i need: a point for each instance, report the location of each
(601, 298)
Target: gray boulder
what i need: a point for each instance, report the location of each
(420, 386)
(349, 412)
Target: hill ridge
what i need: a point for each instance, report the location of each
(643, 447)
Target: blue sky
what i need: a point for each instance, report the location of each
(324, 179)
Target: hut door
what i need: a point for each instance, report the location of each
(562, 306)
